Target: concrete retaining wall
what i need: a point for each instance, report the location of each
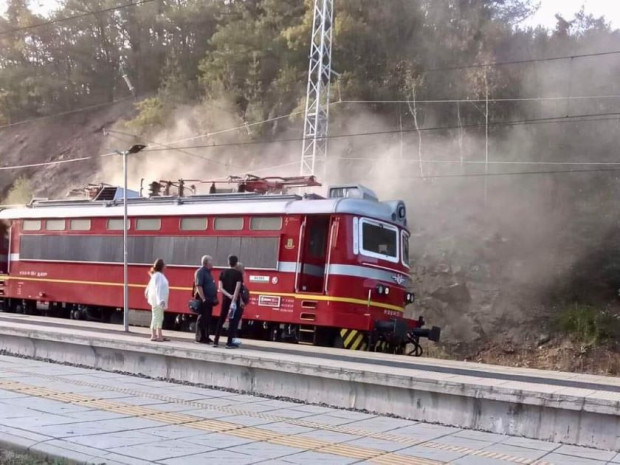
(567, 415)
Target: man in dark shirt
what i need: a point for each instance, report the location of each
(206, 292)
(230, 286)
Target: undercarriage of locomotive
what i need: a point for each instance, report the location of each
(391, 336)
(396, 337)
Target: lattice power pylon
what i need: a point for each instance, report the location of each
(314, 150)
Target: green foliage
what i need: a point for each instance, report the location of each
(588, 324)
(151, 114)
(250, 53)
(76, 63)
(254, 53)
(20, 193)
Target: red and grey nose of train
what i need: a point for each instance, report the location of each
(399, 327)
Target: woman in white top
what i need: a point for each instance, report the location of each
(156, 294)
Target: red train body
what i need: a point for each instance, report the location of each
(319, 270)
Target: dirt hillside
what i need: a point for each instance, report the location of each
(56, 139)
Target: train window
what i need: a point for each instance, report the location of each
(116, 224)
(228, 223)
(379, 240)
(32, 225)
(55, 225)
(80, 224)
(405, 248)
(194, 224)
(148, 224)
(266, 223)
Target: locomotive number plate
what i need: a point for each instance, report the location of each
(268, 301)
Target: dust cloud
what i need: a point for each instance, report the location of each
(202, 143)
(492, 256)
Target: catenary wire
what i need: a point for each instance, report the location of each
(238, 128)
(483, 162)
(518, 173)
(514, 173)
(66, 113)
(495, 100)
(276, 118)
(166, 146)
(552, 120)
(57, 162)
(520, 62)
(555, 119)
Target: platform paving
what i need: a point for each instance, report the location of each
(97, 417)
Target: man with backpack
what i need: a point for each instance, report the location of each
(231, 280)
(244, 299)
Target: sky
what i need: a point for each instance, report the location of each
(544, 17)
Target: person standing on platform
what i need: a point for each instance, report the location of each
(206, 292)
(157, 293)
(244, 299)
(230, 287)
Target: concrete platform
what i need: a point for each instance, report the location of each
(90, 416)
(561, 407)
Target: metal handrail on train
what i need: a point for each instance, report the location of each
(302, 229)
(161, 200)
(329, 254)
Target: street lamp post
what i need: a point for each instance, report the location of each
(124, 153)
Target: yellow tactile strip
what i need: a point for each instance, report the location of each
(304, 443)
(214, 426)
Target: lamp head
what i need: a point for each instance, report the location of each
(136, 148)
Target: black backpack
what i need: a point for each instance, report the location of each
(244, 294)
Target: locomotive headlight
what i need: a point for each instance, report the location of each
(382, 290)
(409, 297)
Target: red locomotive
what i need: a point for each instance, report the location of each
(328, 271)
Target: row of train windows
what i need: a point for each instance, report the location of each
(259, 223)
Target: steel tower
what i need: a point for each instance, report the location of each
(314, 150)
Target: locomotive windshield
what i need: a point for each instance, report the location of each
(379, 240)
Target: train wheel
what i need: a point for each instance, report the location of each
(10, 306)
(274, 333)
(30, 307)
(19, 307)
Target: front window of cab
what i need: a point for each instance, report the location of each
(379, 240)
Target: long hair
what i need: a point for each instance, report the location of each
(157, 266)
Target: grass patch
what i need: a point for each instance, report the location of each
(588, 324)
(8, 457)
